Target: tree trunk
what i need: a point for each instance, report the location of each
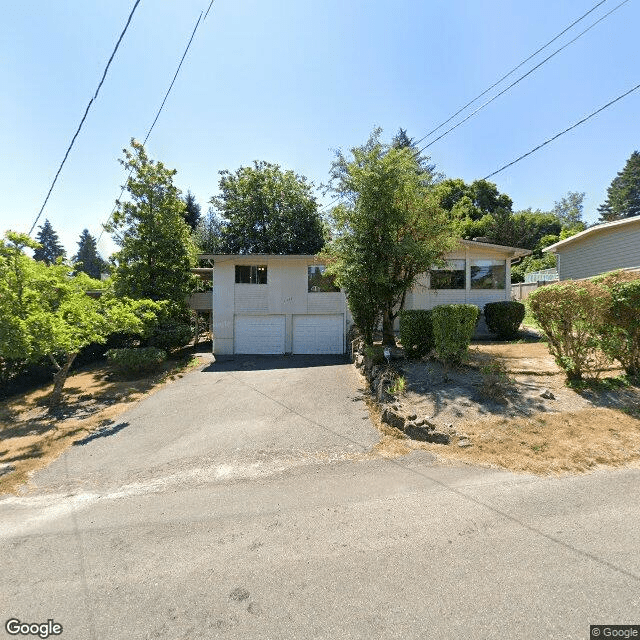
(388, 336)
(59, 379)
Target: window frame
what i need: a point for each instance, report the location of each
(435, 270)
(255, 274)
(489, 263)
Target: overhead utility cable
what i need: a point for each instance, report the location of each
(522, 77)
(573, 126)
(95, 95)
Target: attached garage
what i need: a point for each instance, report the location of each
(318, 334)
(259, 334)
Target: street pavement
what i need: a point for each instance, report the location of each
(246, 500)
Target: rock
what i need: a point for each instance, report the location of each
(412, 416)
(375, 371)
(547, 395)
(463, 442)
(359, 361)
(393, 418)
(6, 467)
(439, 437)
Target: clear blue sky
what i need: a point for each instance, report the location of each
(288, 81)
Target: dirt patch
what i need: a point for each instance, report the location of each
(31, 436)
(511, 400)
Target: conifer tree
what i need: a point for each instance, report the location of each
(192, 211)
(88, 259)
(623, 195)
(51, 248)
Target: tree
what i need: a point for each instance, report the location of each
(192, 211)
(88, 259)
(157, 251)
(267, 210)
(50, 248)
(208, 235)
(45, 312)
(623, 195)
(388, 232)
(569, 209)
(402, 141)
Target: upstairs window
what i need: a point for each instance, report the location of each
(488, 274)
(251, 274)
(318, 282)
(451, 276)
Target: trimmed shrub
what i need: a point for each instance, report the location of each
(620, 337)
(572, 315)
(374, 354)
(416, 332)
(170, 335)
(504, 318)
(453, 327)
(136, 362)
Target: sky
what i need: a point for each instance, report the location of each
(290, 82)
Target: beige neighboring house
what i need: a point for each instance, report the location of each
(271, 304)
(605, 247)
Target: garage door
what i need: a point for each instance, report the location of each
(258, 334)
(318, 334)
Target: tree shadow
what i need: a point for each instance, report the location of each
(106, 430)
(270, 363)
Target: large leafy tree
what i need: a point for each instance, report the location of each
(50, 248)
(156, 250)
(264, 209)
(623, 195)
(45, 312)
(88, 260)
(191, 211)
(569, 210)
(388, 231)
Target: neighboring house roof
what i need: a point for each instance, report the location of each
(591, 231)
(512, 252)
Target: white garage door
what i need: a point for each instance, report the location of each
(318, 334)
(258, 334)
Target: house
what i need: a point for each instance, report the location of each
(604, 247)
(272, 304)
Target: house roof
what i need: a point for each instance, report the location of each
(513, 252)
(599, 228)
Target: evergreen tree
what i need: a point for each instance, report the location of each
(208, 235)
(192, 211)
(623, 195)
(402, 141)
(50, 248)
(88, 259)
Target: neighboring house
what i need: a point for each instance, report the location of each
(270, 304)
(605, 247)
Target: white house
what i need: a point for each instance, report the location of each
(605, 247)
(270, 304)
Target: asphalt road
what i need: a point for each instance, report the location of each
(243, 501)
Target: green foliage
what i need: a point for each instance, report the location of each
(416, 332)
(532, 263)
(209, 233)
(398, 387)
(572, 315)
(88, 260)
(623, 195)
(156, 248)
(569, 209)
(49, 249)
(504, 318)
(191, 211)
(171, 335)
(267, 210)
(453, 327)
(494, 382)
(136, 362)
(389, 231)
(374, 354)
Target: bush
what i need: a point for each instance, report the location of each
(136, 362)
(620, 337)
(504, 318)
(453, 327)
(374, 355)
(573, 317)
(416, 332)
(170, 335)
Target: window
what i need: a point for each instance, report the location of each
(251, 274)
(451, 276)
(488, 274)
(318, 282)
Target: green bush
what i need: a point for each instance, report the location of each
(374, 354)
(170, 335)
(572, 315)
(620, 337)
(416, 332)
(136, 362)
(504, 318)
(453, 327)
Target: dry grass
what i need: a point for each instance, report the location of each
(31, 436)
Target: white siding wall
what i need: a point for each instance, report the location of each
(606, 250)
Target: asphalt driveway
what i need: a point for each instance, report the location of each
(243, 501)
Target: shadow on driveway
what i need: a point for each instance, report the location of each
(266, 363)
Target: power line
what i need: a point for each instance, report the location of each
(573, 126)
(506, 75)
(522, 77)
(166, 95)
(95, 95)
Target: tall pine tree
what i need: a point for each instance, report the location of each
(88, 259)
(623, 195)
(50, 249)
(192, 211)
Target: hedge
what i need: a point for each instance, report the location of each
(453, 327)
(504, 318)
(416, 332)
(136, 362)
